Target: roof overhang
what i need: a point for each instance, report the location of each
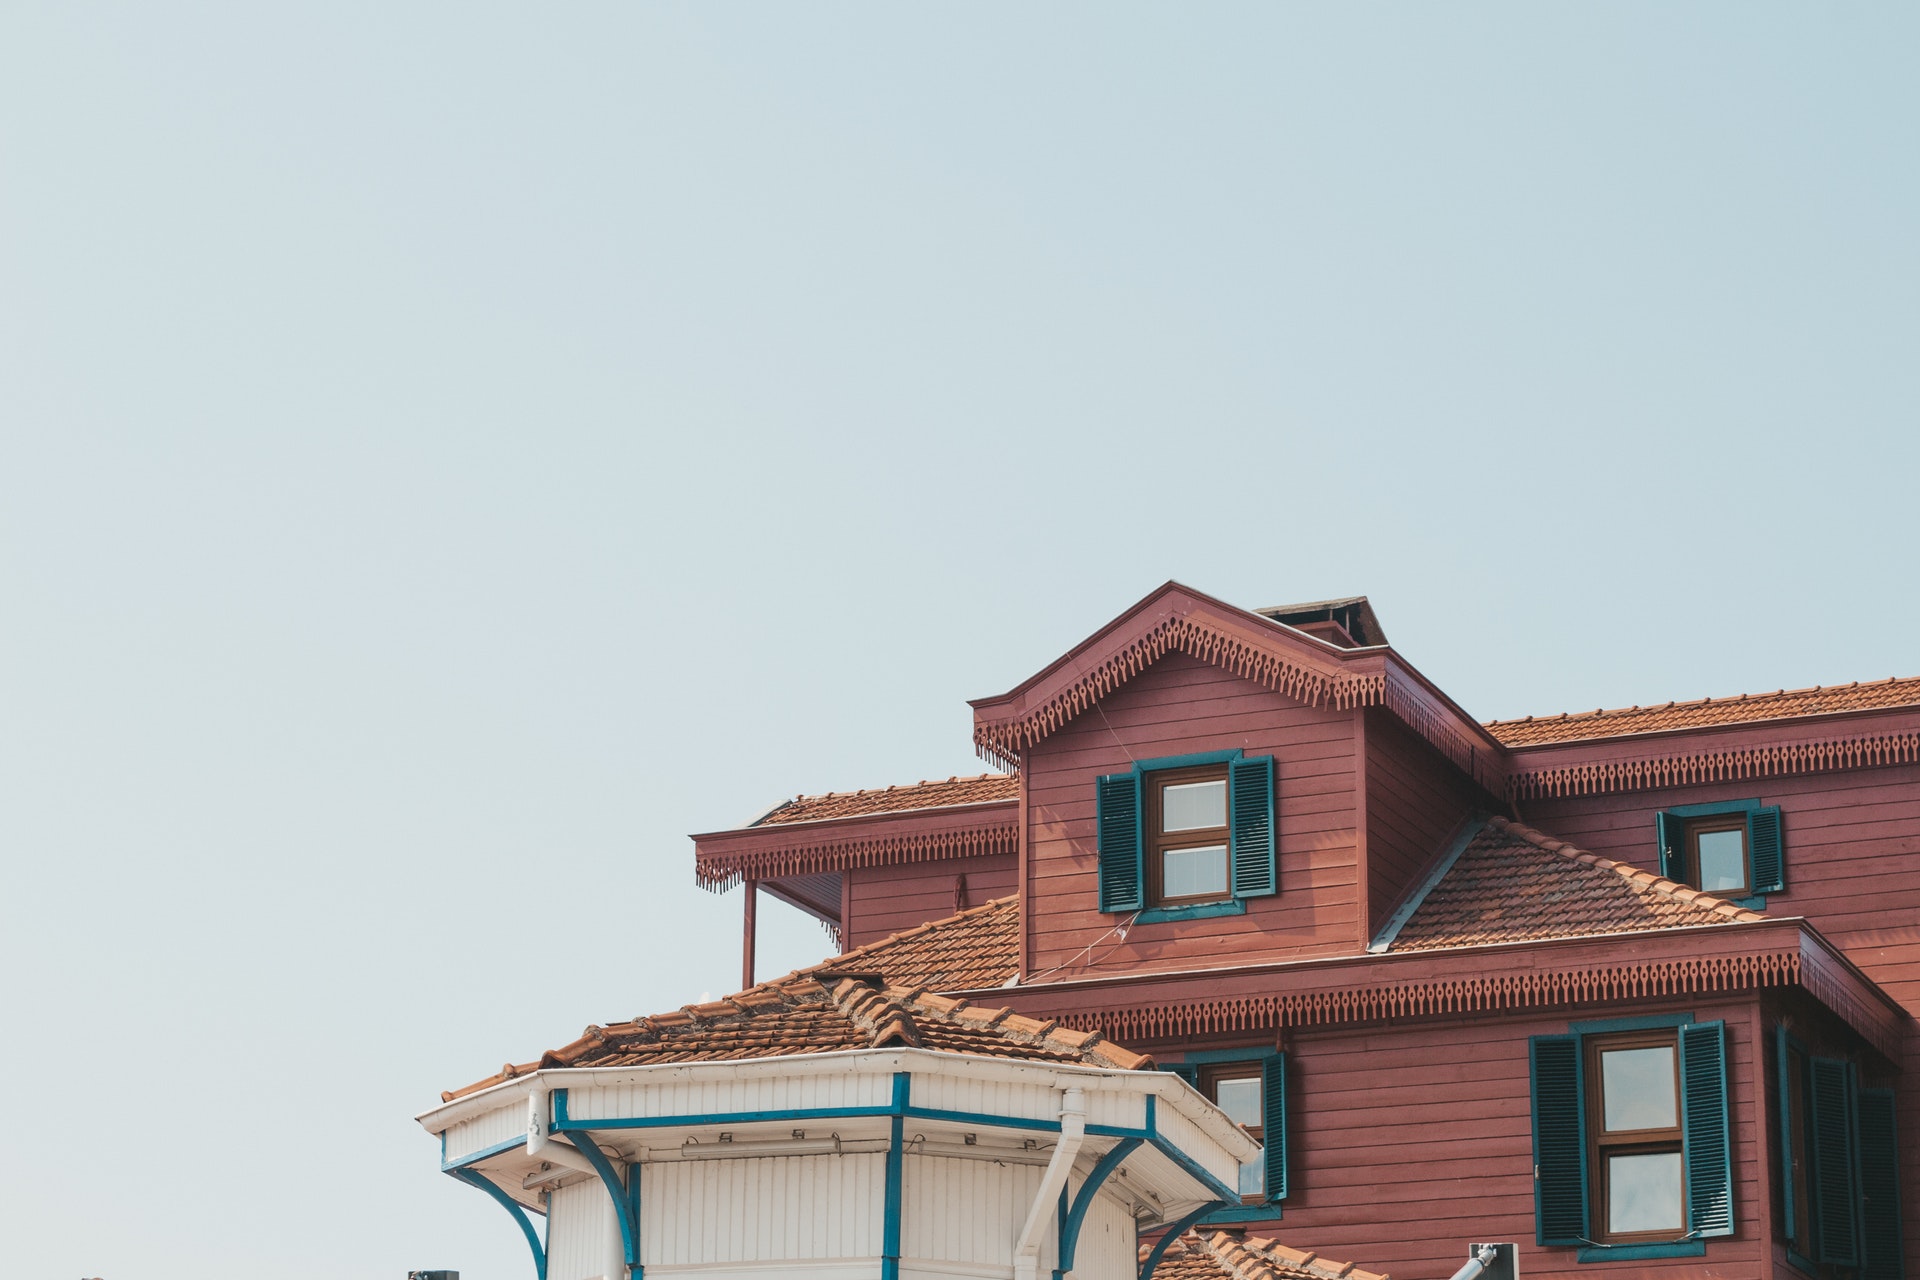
(1177, 618)
(1721, 753)
(1444, 982)
(723, 859)
(516, 1133)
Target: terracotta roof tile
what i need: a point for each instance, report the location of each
(1708, 712)
(1513, 884)
(985, 788)
(804, 1013)
(973, 950)
(1209, 1255)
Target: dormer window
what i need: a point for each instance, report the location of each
(1187, 836)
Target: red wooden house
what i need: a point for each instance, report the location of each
(1632, 987)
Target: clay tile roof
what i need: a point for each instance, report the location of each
(986, 788)
(804, 1013)
(1514, 884)
(973, 950)
(1708, 712)
(1209, 1255)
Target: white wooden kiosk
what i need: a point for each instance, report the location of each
(889, 1162)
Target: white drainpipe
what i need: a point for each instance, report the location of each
(1073, 1135)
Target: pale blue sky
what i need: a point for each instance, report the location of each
(449, 453)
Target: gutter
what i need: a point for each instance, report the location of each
(1073, 1135)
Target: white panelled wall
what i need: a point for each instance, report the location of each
(862, 1165)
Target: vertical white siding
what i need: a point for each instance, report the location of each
(583, 1235)
(504, 1123)
(965, 1211)
(719, 1095)
(778, 1209)
(1128, 1110)
(1109, 1242)
(986, 1097)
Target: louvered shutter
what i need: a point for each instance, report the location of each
(1188, 1073)
(1250, 786)
(1765, 849)
(1836, 1233)
(1669, 832)
(1559, 1141)
(1783, 1108)
(1704, 1128)
(1879, 1187)
(1273, 1098)
(1122, 864)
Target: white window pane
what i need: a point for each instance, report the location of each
(1191, 806)
(1643, 1193)
(1253, 1176)
(1240, 1099)
(1637, 1089)
(1191, 873)
(1723, 860)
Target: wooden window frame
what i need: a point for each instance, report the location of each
(1601, 1144)
(1159, 843)
(1694, 828)
(1211, 1074)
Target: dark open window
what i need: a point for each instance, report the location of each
(1839, 1193)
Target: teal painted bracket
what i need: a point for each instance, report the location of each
(626, 1200)
(1072, 1219)
(474, 1178)
(1199, 911)
(1639, 1252)
(1174, 1231)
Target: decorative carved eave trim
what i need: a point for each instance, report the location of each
(1699, 757)
(1177, 619)
(1557, 973)
(725, 858)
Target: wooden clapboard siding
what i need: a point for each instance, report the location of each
(1853, 869)
(1176, 706)
(1409, 1142)
(1414, 801)
(887, 899)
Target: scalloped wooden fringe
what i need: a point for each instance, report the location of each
(1452, 996)
(1001, 744)
(1717, 766)
(838, 856)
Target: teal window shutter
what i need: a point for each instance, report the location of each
(1559, 1141)
(1190, 1074)
(1783, 1107)
(1765, 851)
(1836, 1233)
(1250, 788)
(1122, 863)
(1670, 832)
(1273, 1097)
(1879, 1187)
(1705, 1133)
